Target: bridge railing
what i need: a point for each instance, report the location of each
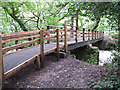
(31, 38)
(83, 35)
(41, 37)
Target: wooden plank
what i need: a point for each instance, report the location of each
(49, 37)
(58, 50)
(41, 49)
(18, 45)
(20, 38)
(33, 39)
(65, 37)
(55, 26)
(1, 65)
(19, 67)
(19, 34)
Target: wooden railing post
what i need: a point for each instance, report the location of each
(48, 27)
(95, 34)
(83, 34)
(16, 42)
(38, 62)
(1, 66)
(58, 48)
(88, 34)
(92, 34)
(41, 49)
(76, 36)
(65, 37)
(33, 39)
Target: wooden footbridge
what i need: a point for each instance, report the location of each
(41, 42)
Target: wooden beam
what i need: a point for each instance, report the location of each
(1, 66)
(41, 49)
(20, 38)
(19, 67)
(83, 34)
(58, 50)
(18, 34)
(65, 37)
(18, 45)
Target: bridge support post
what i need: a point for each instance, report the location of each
(83, 34)
(58, 48)
(1, 66)
(65, 37)
(41, 49)
(88, 34)
(38, 62)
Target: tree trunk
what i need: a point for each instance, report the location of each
(19, 22)
(22, 26)
(77, 20)
(97, 24)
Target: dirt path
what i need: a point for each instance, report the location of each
(66, 73)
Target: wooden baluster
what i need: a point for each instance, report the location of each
(41, 48)
(16, 42)
(92, 34)
(48, 27)
(33, 39)
(76, 34)
(1, 66)
(83, 34)
(61, 36)
(58, 48)
(65, 37)
(88, 34)
(95, 34)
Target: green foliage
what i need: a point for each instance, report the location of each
(93, 58)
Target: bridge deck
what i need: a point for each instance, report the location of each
(12, 60)
(17, 58)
